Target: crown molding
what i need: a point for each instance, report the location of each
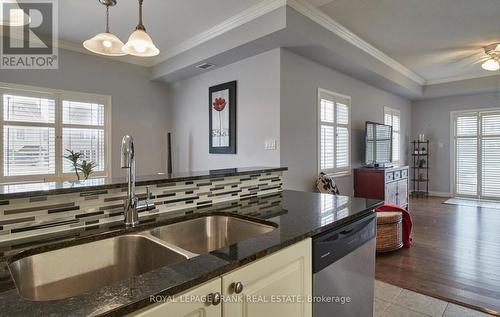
(252, 13)
(451, 79)
(238, 20)
(330, 24)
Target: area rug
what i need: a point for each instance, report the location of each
(473, 203)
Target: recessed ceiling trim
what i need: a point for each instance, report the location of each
(240, 19)
(445, 80)
(327, 22)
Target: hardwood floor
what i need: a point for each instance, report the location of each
(455, 257)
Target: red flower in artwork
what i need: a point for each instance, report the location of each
(219, 104)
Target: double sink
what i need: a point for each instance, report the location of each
(67, 272)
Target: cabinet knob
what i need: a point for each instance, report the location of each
(237, 287)
(214, 298)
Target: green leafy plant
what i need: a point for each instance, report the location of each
(74, 157)
(87, 168)
(421, 162)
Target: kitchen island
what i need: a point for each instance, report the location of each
(297, 215)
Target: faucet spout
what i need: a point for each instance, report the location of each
(128, 162)
(132, 205)
(127, 152)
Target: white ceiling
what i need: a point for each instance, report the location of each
(430, 37)
(169, 22)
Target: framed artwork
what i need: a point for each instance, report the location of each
(222, 118)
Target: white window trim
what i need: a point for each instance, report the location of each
(58, 95)
(335, 172)
(453, 185)
(393, 112)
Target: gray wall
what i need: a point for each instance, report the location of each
(433, 118)
(300, 79)
(139, 106)
(258, 114)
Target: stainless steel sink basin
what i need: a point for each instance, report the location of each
(74, 270)
(71, 271)
(210, 233)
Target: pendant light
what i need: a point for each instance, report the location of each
(139, 42)
(15, 16)
(105, 43)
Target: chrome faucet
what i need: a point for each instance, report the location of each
(132, 204)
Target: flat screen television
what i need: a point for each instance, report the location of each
(378, 144)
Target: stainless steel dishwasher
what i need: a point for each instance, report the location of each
(344, 270)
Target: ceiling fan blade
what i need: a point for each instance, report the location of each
(483, 59)
(466, 60)
(472, 63)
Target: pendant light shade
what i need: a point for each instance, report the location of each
(15, 16)
(139, 42)
(105, 43)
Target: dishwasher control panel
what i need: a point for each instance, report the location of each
(333, 245)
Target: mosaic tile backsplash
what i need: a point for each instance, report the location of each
(43, 215)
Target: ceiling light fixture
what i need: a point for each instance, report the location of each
(105, 43)
(16, 16)
(491, 64)
(139, 42)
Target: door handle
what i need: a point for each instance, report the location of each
(347, 231)
(237, 287)
(214, 298)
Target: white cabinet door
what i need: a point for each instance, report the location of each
(285, 275)
(403, 192)
(191, 307)
(391, 193)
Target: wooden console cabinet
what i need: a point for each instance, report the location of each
(387, 184)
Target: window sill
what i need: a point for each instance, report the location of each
(337, 174)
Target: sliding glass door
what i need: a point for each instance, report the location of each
(476, 154)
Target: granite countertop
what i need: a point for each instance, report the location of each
(13, 191)
(299, 215)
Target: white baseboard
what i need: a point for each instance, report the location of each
(440, 194)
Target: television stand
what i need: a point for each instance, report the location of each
(387, 184)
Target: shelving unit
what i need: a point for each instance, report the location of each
(420, 174)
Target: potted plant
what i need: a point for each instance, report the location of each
(74, 157)
(85, 167)
(421, 163)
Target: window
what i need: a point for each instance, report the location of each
(476, 139)
(334, 130)
(392, 117)
(38, 126)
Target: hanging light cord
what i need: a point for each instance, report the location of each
(107, 18)
(140, 26)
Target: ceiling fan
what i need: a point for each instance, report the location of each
(491, 61)
(489, 57)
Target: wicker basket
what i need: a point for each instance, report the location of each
(389, 231)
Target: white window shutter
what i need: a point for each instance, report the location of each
(83, 131)
(28, 135)
(490, 156)
(38, 126)
(334, 133)
(392, 117)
